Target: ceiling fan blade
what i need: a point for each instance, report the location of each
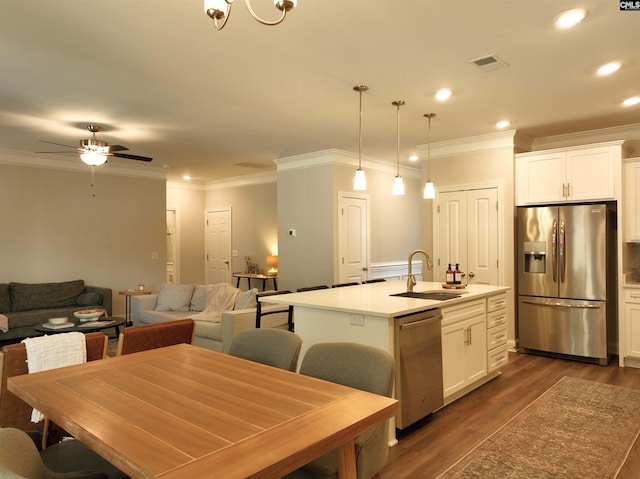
(59, 144)
(74, 151)
(117, 148)
(132, 157)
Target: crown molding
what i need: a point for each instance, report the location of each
(344, 158)
(57, 162)
(630, 133)
(474, 144)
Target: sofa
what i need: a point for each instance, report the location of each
(193, 300)
(26, 305)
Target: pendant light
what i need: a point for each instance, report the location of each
(398, 185)
(429, 191)
(360, 181)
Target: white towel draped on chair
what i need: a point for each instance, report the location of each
(54, 351)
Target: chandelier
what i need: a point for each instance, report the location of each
(220, 10)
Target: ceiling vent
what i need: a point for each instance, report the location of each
(489, 63)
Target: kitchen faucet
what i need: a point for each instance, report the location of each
(411, 278)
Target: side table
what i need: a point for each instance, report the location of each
(127, 293)
(263, 277)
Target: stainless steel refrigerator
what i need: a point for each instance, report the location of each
(567, 280)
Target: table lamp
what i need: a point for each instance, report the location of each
(272, 264)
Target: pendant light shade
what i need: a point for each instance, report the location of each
(429, 190)
(398, 184)
(360, 181)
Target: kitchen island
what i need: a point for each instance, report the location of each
(473, 326)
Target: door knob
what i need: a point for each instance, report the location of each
(472, 275)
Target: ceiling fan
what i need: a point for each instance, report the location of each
(94, 152)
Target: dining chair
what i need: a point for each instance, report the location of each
(312, 288)
(260, 313)
(342, 285)
(14, 412)
(270, 346)
(361, 367)
(156, 335)
(20, 458)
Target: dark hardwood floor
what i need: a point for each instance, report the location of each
(427, 449)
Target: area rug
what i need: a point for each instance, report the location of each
(576, 429)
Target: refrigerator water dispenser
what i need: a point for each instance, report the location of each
(535, 256)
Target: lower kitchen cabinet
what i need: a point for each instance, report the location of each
(497, 354)
(464, 345)
(632, 317)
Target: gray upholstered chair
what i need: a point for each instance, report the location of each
(156, 335)
(275, 347)
(20, 459)
(360, 367)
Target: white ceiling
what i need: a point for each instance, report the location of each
(163, 82)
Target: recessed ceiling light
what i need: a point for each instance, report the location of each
(503, 124)
(569, 18)
(609, 68)
(414, 158)
(443, 94)
(186, 177)
(634, 100)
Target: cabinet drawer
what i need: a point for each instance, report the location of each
(497, 318)
(461, 312)
(632, 295)
(497, 302)
(496, 337)
(498, 357)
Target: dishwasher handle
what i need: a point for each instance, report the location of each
(419, 323)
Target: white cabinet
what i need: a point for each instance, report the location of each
(568, 174)
(632, 199)
(497, 353)
(464, 345)
(632, 318)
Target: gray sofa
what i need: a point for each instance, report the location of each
(27, 305)
(184, 301)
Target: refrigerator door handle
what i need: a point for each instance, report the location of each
(554, 250)
(562, 252)
(563, 305)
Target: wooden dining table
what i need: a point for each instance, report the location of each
(188, 412)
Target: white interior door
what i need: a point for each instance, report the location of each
(468, 234)
(482, 239)
(173, 268)
(218, 246)
(353, 237)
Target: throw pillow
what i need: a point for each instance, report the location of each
(89, 299)
(199, 298)
(5, 301)
(174, 297)
(246, 299)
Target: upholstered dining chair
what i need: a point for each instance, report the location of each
(157, 335)
(361, 367)
(20, 459)
(14, 412)
(270, 346)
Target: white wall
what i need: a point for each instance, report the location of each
(53, 229)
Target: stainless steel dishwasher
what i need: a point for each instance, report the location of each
(418, 351)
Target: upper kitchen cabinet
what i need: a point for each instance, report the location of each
(632, 199)
(575, 174)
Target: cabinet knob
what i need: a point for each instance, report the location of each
(472, 275)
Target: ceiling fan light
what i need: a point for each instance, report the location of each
(429, 191)
(93, 158)
(398, 186)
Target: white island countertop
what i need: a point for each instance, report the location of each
(374, 299)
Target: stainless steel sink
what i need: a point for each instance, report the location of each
(434, 295)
